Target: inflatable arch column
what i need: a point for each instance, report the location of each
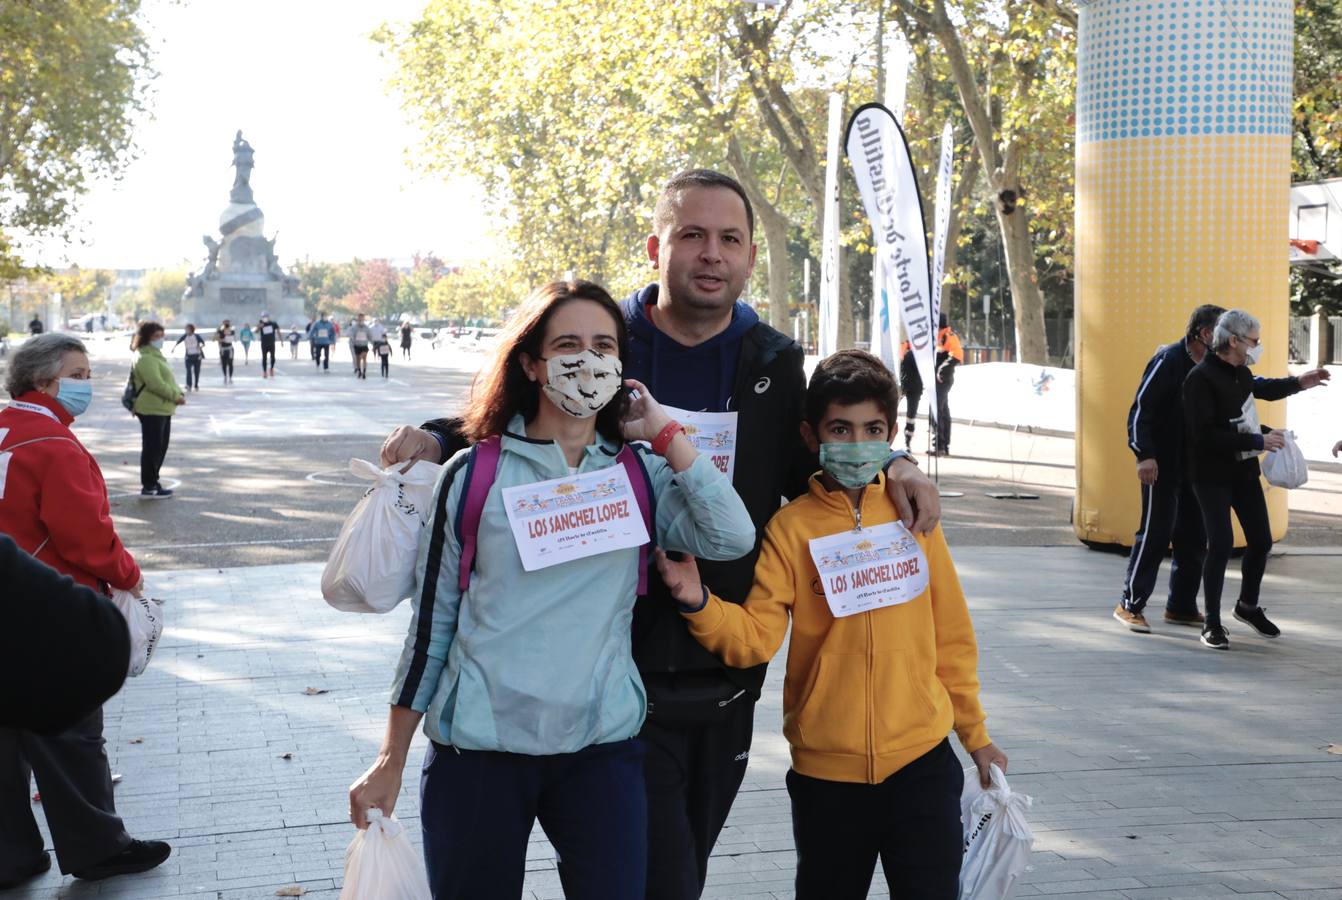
(1183, 115)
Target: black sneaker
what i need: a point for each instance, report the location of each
(1214, 636)
(39, 867)
(140, 856)
(155, 493)
(1253, 617)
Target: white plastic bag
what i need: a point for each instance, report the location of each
(372, 565)
(997, 838)
(145, 618)
(1286, 467)
(382, 864)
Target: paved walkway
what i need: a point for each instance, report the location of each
(1159, 769)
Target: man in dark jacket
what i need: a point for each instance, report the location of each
(700, 350)
(1169, 509)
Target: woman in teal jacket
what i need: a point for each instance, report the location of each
(157, 398)
(525, 680)
(245, 336)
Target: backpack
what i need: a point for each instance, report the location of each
(130, 392)
(483, 467)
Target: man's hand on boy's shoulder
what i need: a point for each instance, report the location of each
(983, 758)
(914, 495)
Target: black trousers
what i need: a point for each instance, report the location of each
(267, 350)
(944, 385)
(386, 365)
(910, 821)
(1243, 494)
(477, 810)
(692, 774)
(154, 434)
(193, 370)
(911, 400)
(1170, 514)
(226, 361)
(321, 355)
(76, 786)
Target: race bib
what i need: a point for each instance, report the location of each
(869, 569)
(712, 434)
(574, 517)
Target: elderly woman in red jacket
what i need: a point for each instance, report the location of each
(53, 503)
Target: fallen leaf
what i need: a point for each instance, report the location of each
(292, 890)
(137, 740)
(286, 756)
(1335, 749)
(312, 692)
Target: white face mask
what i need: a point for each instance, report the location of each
(581, 384)
(1254, 354)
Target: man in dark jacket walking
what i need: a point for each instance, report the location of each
(1169, 510)
(701, 351)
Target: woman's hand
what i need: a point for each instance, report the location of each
(681, 577)
(985, 757)
(378, 788)
(408, 444)
(1274, 440)
(645, 418)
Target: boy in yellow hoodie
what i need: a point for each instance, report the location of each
(882, 663)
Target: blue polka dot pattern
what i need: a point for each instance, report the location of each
(1158, 68)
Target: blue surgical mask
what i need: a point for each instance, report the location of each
(854, 465)
(75, 395)
(157, 345)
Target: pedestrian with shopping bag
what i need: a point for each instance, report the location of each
(519, 646)
(54, 505)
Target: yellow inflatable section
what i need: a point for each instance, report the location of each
(1182, 198)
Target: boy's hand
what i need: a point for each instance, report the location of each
(914, 495)
(985, 757)
(682, 577)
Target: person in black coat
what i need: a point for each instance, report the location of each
(1224, 440)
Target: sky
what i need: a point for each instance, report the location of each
(307, 87)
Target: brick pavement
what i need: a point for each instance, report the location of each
(1159, 769)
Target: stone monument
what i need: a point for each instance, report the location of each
(242, 276)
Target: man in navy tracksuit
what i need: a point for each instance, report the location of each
(699, 349)
(1170, 512)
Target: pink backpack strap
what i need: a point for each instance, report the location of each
(642, 485)
(480, 474)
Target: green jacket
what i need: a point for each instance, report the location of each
(159, 390)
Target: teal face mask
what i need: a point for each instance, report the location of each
(75, 395)
(854, 465)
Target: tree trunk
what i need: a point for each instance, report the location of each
(775, 227)
(1027, 299)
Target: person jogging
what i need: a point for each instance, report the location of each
(693, 341)
(360, 337)
(245, 337)
(269, 333)
(525, 668)
(323, 337)
(294, 338)
(194, 353)
(225, 337)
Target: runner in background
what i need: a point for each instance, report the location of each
(360, 336)
(407, 336)
(911, 383)
(195, 353)
(323, 335)
(377, 334)
(949, 355)
(384, 357)
(245, 336)
(225, 336)
(269, 332)
(294, 338)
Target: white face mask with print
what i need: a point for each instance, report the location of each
(581, 384)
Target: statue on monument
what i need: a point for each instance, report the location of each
(243, 161)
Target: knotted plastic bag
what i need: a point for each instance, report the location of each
(372, 565)
(1286, 468)
(997, 838)
(382, 864)
(144, 617)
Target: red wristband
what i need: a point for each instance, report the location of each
(666, 436)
